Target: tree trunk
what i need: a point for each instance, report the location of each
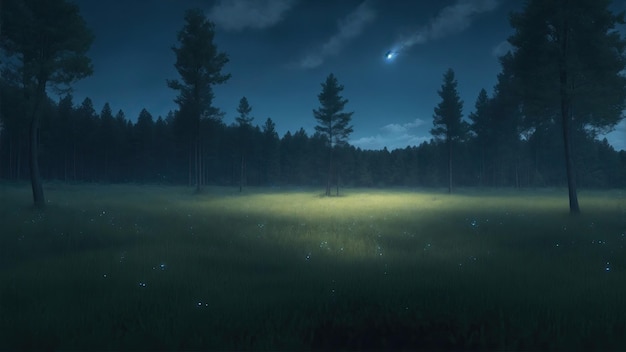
(18, 161)
(449, 166)
(517, 181)
(330, 168)
(35, 178)
(11, 159)
(482, 166)
(74, 164)
(106, 166)
(191, 161)
(337, 182)
(241, 174)
(198, 166)
(565, 117)
(33, 157)
(569, 164)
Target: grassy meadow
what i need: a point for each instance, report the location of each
(148, 267)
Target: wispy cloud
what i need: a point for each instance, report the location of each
(347, 29)
(236, 15)
(501, 48)
(394, 136)
(450, 20)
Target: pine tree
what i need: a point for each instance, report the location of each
(105, 139)
(244, 109)
(480, 126)
(199, 65)
(447, 120)
(48, 40)
(332, 122)
(505, 125)
(568, 60)
(244, 131)
(270, 153)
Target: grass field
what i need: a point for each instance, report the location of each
(147, 267)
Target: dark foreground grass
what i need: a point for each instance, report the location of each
(130, 267)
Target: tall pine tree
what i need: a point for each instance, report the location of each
(447, 120)
(244, 131)
(480, 127)
(332, 122)
(48, 40)
(199, 65)
(569, 60)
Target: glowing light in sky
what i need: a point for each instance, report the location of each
(450, 20)
(390, 55)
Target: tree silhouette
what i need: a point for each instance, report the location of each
(480, 127)
(505, 125)
(447, 120)
(49, 40)
(332, 122)
(568, 61)
(244, 129)
(199, 65)
(270, 153)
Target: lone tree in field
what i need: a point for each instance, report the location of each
(48, 41)
(447, 120)
(199, 65)
(244, 121)
(332, 122)
(569, 62)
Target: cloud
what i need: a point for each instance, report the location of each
(349, 28)
(237, 15)
(501, 48)
(402, 128)
(394, 136)
(450, 20)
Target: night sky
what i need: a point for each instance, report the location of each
(282, 50)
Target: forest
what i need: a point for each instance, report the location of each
(510, 139)
(80, 144)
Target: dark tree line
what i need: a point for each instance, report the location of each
(551, 96)
(81, 144)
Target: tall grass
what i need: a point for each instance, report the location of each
(134, 267)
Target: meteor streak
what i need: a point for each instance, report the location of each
(450, 20)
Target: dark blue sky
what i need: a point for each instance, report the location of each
(282, 50)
